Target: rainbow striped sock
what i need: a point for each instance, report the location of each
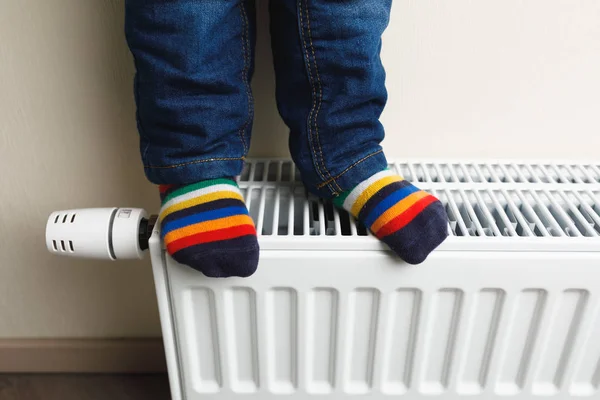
(410, 221)
(207, 227)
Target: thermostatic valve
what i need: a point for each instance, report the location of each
(102, 233)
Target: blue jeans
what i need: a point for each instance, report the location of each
(194, 61)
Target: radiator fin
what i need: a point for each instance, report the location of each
(202, 336)
(442, 328)
(481, 335)
(400, 340)
(556, 352)
(520, 341)
(240, 306)
(322, 328)
(363, 309)
(282, 325)
(586, 377)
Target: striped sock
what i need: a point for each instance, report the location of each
(410, 221)
(207, 227)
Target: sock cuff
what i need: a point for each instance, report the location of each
(200, 195)
(358, 196)
(168, 192)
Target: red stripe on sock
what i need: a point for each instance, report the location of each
(211, 236)
(405, 218)
(164, 188)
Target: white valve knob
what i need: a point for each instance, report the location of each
(103, 233)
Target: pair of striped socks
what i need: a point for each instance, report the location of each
(207, 226)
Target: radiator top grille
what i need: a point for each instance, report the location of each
(256, 171)
(492, 205)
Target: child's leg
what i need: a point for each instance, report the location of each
(331, 93)
(194, 62)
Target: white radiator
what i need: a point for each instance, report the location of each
(508, 306)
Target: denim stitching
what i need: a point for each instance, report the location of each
(194, 162)
(320, 100)
(245, 50)
(314, 93)
(310, 78)
(249, 65)
(349, 168)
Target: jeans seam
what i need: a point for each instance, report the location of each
(194, 162)
(319, 98)
(338, 176)
(314, 95)
(246, 67)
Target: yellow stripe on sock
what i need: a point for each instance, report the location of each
(397, 209)
(370, 191)
(225, 194)
(206, 226)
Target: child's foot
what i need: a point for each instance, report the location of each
(410, 221)
(207, 227)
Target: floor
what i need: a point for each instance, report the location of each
(83, 387)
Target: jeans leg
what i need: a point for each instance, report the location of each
(331, 87)
(194, 61)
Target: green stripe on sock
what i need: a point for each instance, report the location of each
(339, 201)
(199, 185)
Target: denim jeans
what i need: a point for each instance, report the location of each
(194, 62)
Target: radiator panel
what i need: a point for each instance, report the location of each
(490, 324)
(508, 306)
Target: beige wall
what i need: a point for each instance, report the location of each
(511, 78)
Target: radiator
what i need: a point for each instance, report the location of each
(508, 306)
